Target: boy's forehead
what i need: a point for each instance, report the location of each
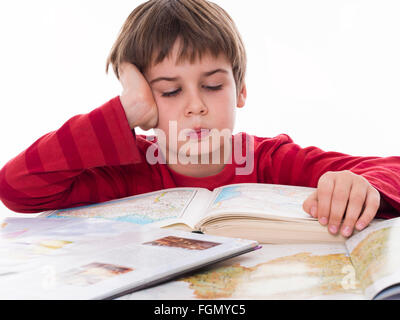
(206, 63)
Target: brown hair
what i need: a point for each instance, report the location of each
(151, 30)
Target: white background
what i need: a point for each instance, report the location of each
(325, 72)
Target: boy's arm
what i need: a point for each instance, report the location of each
(86, 160)
(74, 165)
(288, 163)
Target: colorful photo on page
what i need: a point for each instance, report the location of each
(177, 242)
(92, 273)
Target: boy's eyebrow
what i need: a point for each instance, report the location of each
(205, 74)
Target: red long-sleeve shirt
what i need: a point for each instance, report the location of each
(96, 157)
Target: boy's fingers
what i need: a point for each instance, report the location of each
(372, 204)
(128, 74)
(354, 209)
(123, 69)
(325, 190)
(310, 205)
(340, 199)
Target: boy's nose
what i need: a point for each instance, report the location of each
(196, 108)
(201, 111)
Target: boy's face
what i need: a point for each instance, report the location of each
(195, 97)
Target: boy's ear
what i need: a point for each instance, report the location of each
(242, 96)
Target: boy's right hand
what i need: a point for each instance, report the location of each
(137, 98)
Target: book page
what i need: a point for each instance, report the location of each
(262, 200)
(375, 256)
(158, 209)
(97, 258)
(26, 241)
(273, 272)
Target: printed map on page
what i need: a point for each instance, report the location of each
(274, 272)
(140, 210)
(376, 256)
(271, 198)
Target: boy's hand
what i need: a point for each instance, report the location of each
(343, 194)
(137, 98)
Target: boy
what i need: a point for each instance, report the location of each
(182, 67)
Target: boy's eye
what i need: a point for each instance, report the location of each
(214, 88)
(171, 94)
(176, 92)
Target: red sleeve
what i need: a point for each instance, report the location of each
(70, 165)
(284, 162)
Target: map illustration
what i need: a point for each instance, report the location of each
(279, 200)
(142, 209)
(376, 256)
(300, 276)
(274, 272)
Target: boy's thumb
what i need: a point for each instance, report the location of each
(310, 205)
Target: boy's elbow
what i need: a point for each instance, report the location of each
(19, 204)
(13, 199)
(19, 208)
(15, 205)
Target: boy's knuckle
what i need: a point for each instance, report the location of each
(337, 213)
(352, 216)
(367, 217)
(328, 175)
(374, 193)
(358, 197)
(325, 187)
(343, 173)
(374, 204)
(324, 205)
(340, 195)
(335, 219)
(337, 210)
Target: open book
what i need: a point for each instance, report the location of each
(262, 212)
(99, 259)
(367, 266)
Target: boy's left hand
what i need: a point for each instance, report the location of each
(343, 195)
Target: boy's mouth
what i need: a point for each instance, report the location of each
(198, 133)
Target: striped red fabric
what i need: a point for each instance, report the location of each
(96, 157)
